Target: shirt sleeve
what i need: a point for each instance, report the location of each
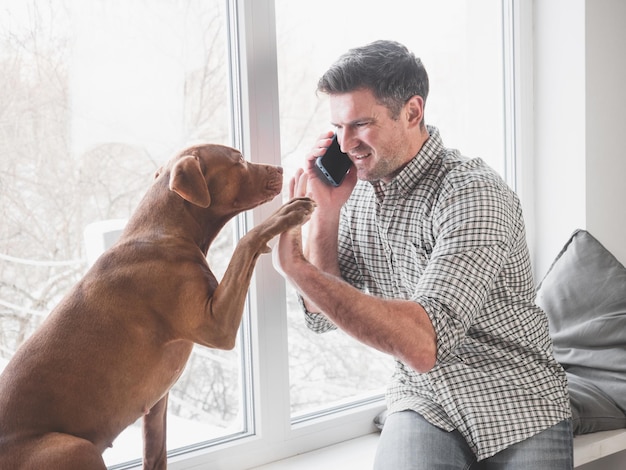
(473, 225)
(316, 322)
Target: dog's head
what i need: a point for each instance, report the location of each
(219, 177)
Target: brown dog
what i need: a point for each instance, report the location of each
(117, 342)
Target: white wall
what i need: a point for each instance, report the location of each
(580, 124)
(580, 131)
(606, 123)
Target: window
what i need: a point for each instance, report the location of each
(97, 95)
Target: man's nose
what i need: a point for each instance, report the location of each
(347, 140)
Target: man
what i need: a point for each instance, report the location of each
(421, 253)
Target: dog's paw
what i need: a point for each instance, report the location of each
(295, 212)
(290, 215)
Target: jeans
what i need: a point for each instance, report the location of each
(409, 442)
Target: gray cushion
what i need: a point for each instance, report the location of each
(584, 296)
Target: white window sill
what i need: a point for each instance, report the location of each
(355, 454)
(591, 447)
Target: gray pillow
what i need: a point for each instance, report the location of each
(584, 297)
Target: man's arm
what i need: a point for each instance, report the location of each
(400, 328)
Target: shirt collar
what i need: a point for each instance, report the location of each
(414, 171)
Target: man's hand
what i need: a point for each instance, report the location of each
(329, 197)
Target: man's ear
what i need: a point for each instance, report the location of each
(187, 180)
(414, 110)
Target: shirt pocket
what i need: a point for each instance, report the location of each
(411, 263)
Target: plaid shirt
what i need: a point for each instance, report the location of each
(448, 233)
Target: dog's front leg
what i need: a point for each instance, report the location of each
(154, 436)
(226, 304)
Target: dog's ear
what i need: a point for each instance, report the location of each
(187, 180)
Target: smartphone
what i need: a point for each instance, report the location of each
(334, 164)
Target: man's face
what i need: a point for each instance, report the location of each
(378, 145)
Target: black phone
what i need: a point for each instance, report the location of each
(334, 164)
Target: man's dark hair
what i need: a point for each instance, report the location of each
(387, 68)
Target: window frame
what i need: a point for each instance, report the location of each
(273, 435)
(518, 88)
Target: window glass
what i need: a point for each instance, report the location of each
(460, 43)
(96, 96)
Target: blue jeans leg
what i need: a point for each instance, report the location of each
(409, 442)
(551, 449)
